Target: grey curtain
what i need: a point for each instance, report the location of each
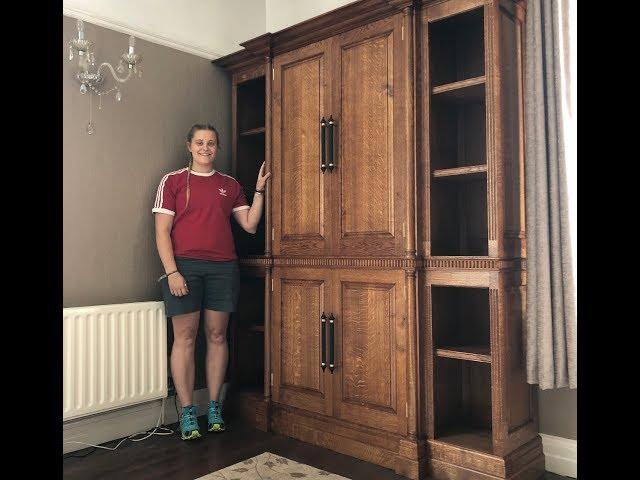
(551, 326)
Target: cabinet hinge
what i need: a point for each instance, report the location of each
(402, 34)
(273, 234)
(272, 379)
(406, 410)
(272, 284)
(273, 73)
(404, 230)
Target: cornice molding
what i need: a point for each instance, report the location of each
(323, 26)
(138, 32)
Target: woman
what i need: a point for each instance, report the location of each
(193, 234)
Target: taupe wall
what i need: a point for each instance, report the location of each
(558, 412)
(110, 178)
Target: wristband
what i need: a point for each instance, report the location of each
(167, 274)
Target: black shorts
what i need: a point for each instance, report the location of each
(212, 286)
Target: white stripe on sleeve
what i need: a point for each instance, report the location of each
(163, 210)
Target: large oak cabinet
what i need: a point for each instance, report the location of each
(383, 295)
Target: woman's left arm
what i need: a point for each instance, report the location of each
(249, 219)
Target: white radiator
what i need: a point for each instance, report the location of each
(114, 356)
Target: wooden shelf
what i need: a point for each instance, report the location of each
(253, 131)
(461, 173)
(468, 90)
(472, 439)
(470, 353)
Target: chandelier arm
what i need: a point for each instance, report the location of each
(113, 72)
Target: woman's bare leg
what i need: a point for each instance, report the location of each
(185, 329)
(217, 350)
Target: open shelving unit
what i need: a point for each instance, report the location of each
(461, 329)
(458, 155)
(463, 403)
(460, 315)
(247, 353)
(478, 403)
(462, 366)
(249, 131)
(249, 344)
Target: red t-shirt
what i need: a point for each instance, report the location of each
(203, 230)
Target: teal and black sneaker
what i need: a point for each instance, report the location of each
(215, 423)
(189, 423)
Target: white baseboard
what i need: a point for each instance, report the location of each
(105, 427)
(560, 455)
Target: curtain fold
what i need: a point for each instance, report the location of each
(551, 326)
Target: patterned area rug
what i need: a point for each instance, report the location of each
(268, 466)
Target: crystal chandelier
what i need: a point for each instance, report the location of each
(91, 78)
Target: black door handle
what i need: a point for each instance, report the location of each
(323, 323)
(330, 124)
(323, 146)
(331, 342)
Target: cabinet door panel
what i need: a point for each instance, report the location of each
(300, 191)
(369, 380)
(370, 102)
(300, 297)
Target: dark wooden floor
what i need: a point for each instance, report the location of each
(168, 457)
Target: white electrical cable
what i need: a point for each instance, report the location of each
(130, 437)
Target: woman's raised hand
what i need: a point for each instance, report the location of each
(262, 178)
